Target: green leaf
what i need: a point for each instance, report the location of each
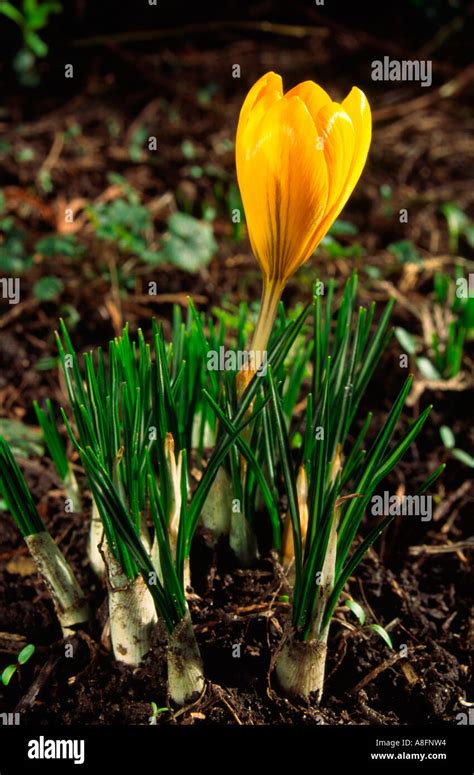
(357, 610)
(343, 229)
(188, 149)
(288, 472)
(8, 674)
(24, 440)
(374, 272)
(24, 155)
(277, 354)
(406, 340)
(26, 654)
(463, 457)
(15, 492)
(427, 370)
(334, 249)
(9, 10)
(36, 14)
(48, 288)
(59, 244)
(206, 94)
(137, 144)
(469, 234)
(34, 42)
(447, 437)
(405, 251)
(125, 222)
(441, 284)
(13, 257)
(52, 438)
(254, 465)
(189, 243)
(431, 479)
(382, 633)
(24, 65)
(457, 220)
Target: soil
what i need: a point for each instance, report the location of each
(417, 581)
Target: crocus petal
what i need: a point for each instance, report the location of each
(358, 109)
(355, 107)
(299, 157)
(336, 131)
(337, 134)
(284, 184)
(313, 96)
(266, 90)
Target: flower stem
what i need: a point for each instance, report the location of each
(271, 294)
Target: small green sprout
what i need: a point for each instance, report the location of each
(459, 225)
(23, 657)
(382, 632)
(405, 252)
(155, 712)
(333, 246)
(449, 441)
(386, 195)
(447, 326)
(359, 613)
(357, 610)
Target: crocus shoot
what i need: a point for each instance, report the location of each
(69, 600)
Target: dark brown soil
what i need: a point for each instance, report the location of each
(417, 583)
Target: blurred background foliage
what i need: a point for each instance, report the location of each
(118, 182)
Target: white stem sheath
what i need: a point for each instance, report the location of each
(242, 540)
(68, 597)
(209, 436)
(217, 510)
(96, 533)
(187, 575)
(175, 468)
(185, 669)
(300, 668)
(132, 614)
(301, 664)
(288, 553)
(72, 491)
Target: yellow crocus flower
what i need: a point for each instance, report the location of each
(299, 156)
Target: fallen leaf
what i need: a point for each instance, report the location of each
(21, 565)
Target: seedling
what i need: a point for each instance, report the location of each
(459, 225)
(155, 713)
(449, 441)
(447, 326)
(360, 615)
(69, 601)
(23, 657)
